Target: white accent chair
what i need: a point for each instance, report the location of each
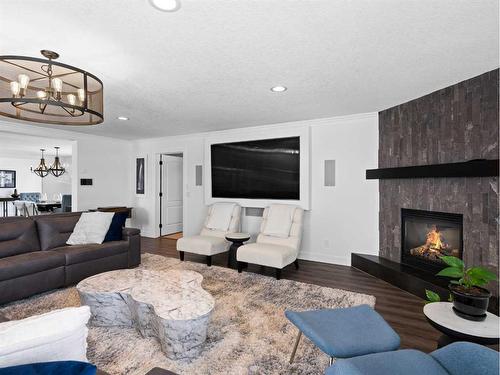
(222, 218)
(276, 250)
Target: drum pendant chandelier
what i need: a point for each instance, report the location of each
(49, 92)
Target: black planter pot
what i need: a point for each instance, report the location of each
(470, 307)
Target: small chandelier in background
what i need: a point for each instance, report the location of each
(56, 168)
(42, 170)
(50, 92)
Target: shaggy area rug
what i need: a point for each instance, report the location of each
(248, 332)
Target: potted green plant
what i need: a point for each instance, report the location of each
(470, 299)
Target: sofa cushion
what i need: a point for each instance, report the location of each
(17, 236)
(29, 263)
(203, 245)
(220, 216)
(265, 254)
(51, 368)
(116, 227)
(278, 221)
(91, 228)
(54, 230)
(84, 253)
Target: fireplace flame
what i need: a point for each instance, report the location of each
(434, 241)
(435, 246)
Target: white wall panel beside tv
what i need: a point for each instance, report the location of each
(257, 169)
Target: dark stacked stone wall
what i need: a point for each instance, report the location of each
(455, 124)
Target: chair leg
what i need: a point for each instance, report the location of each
(278, 273)
(181, 255)
(209, 260)
(296, 262)
(331, 360)
(240, 267)
(294, 350)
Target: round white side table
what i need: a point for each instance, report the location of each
(454, 328)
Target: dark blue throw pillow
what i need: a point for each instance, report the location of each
(51, 368)
(115, 229)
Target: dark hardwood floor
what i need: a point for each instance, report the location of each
(402, 310)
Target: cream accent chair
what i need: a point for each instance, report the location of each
(211, 241)
(273, 251)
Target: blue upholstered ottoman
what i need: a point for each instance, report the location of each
(346, 332)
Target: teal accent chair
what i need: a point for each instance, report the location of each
(459, 358)
(344, 332)
(66, 203)
(31, 197)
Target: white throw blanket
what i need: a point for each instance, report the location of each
(279, 220)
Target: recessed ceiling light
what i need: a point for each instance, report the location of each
(166, 5)
(122, 118)
(278, 89)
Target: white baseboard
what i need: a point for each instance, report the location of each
(324, 258)
(149, 234)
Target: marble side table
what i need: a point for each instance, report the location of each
(169, 305)
(454, 328)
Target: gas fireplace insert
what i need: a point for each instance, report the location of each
(428, 235)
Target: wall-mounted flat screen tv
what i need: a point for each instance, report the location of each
(262, 169)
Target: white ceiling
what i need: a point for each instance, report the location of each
(12, 145)
(210, 65)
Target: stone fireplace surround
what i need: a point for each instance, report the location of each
(454, 124)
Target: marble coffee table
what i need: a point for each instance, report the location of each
(170, 305)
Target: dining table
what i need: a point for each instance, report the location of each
(48, 206)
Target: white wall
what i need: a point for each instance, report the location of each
(342, 219)
(107, 162)
(146, 211)
(26, 181)
(52, 185)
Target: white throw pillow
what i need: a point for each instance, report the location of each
(59, 335)
(220, 216)
(279, 220)
(91, 228)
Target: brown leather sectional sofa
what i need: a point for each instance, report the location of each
(34, 257)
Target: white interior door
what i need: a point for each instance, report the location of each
(172, 195)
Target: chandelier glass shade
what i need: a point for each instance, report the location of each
(46, 91)
(42, 170)
(56, 168)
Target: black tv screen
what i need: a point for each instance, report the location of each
(263, 169)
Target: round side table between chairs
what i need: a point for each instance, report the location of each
(237, 240)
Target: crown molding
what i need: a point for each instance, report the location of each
(259, 128)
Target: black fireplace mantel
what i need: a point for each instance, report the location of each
(473, 168)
